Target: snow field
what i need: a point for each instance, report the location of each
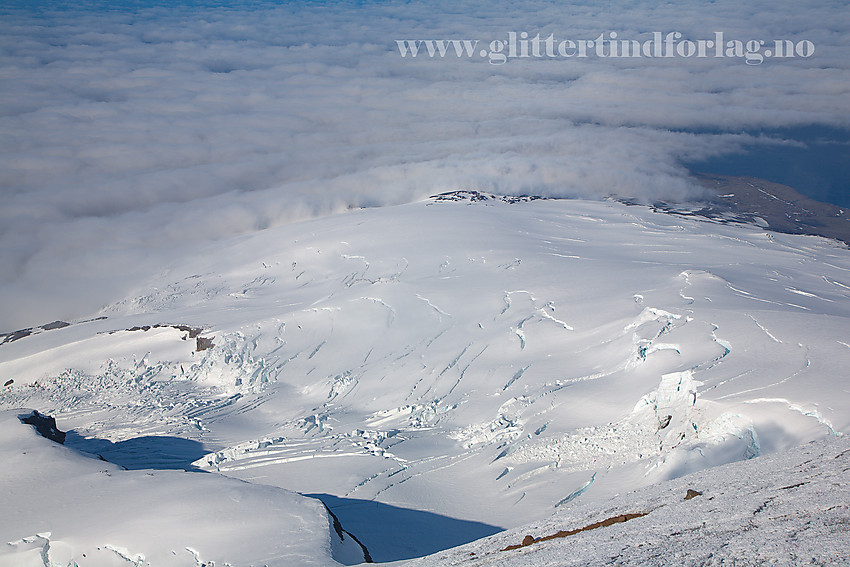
(490, 363)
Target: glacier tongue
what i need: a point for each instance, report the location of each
(477, 361)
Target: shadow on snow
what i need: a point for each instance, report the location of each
(150, 452)
(389, 533)
(392, 534)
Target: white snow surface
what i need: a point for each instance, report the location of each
(782, 509)
(64, 508)
(429, 369)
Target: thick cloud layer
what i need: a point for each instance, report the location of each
(133, 133)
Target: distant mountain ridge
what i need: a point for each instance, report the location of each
(780, 206)
(735, 199)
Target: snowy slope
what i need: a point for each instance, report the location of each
(64, 508)
(784, 509)
(457, 366)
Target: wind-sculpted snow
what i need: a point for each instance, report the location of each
(64, 508)
(490, 361)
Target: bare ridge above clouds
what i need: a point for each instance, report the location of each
(771, 206)
(781, 207)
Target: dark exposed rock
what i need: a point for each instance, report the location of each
(45, 425)
(22, 333)
(478, 197)
(529, 539)
(692, 494)
(15, 335)
(193, 331)
(201, 343)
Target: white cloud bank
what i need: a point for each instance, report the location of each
(133, 134)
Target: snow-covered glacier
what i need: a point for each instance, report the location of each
(442, 367)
